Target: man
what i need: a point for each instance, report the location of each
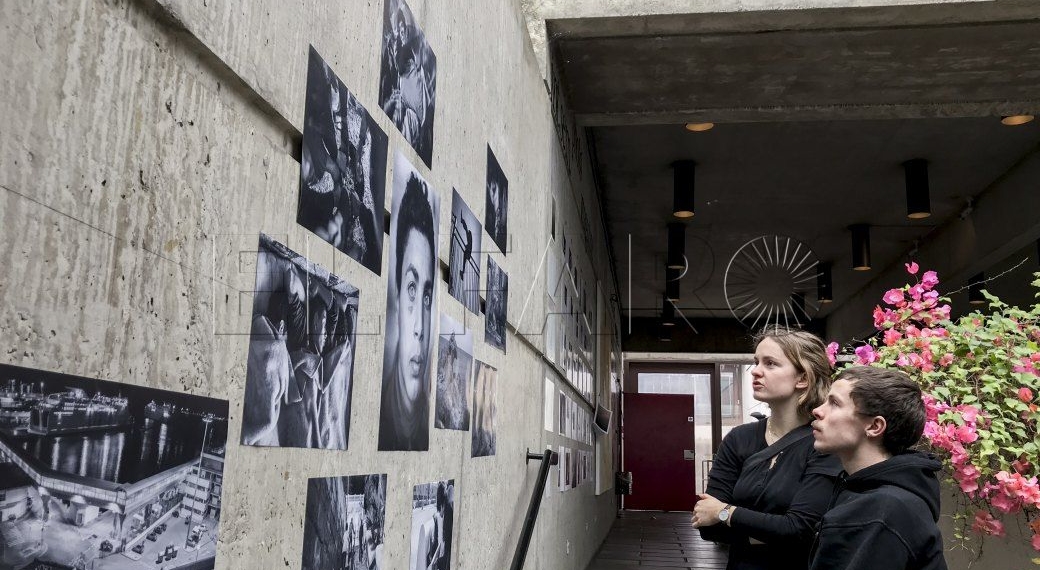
(886, 504)
(404, 410)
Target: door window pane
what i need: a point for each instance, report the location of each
(700, 386)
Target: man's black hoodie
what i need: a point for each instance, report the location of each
(883, 517)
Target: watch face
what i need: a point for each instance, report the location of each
(724, 515)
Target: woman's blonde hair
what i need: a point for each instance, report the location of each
(809, 356)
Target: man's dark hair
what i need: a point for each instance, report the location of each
(413, 213)
(892, 395)
(442, 496)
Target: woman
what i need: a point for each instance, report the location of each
(768, 487)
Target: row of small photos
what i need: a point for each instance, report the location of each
(345, 518)
(575, 467)
(301, 350)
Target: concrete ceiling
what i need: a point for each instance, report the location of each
(813, 123)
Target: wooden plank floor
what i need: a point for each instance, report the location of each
(648, 540)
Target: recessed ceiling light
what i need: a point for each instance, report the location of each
(1015, 120)
(699, 127)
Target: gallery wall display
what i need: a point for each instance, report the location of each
(497, 297)
(464, 255)
(408, 78)
(404, 412)
(343, 523)
(433, 515)
(100, 474)
(483, 430)
(496, 208)
(454, 370)
(300, 364)
(342, 168)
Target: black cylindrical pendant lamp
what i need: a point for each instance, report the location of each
(671, 284)
(860, 247)
(824, 287)
(917, 203)
(975, 286)
(676, 246)
(667, 312)
(682, 188)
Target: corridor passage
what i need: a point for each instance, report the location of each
(650, 540)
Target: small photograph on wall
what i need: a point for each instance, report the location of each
(569, 475)
(561, 473)
(342, 169)
(404, 412)
(464, 255)
(497, 296)
(106, 475)
(433, 508)
(496, 209)
(563, 414)
(408, 78)
(547, 405)
(343, 523)
(300, 364)
(483, 411)
(454, 370)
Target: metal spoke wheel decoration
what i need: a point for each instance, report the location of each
(771, 282)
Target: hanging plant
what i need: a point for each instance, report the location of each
(980, 377)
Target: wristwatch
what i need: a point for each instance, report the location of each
(724, 514)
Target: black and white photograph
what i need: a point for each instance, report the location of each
(483, 410)
(497, 296)
(454, 370)
(408, 78)
(342, 169)
(107, 475)
(464, 255)
(496, 209)
(433, 513)
(300, 365)
(404, 414)
(343, 523)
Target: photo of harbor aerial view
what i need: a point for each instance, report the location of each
(103, 475)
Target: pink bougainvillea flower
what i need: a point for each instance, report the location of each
(966, 434)
(892, 336)
(911, 267)
(946, 359)
(930, 279)
(865, 355)
(893, 296)
(968, 412)
(967, 477)
(1025, 394)
(1002, 501)
(1036, 542)
(984, 523)
(832, 353)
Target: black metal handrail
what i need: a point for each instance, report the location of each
(548, 459)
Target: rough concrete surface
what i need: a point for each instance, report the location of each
(144, 146)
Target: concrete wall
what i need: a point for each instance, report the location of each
(145, 144)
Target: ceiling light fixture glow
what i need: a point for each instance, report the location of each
(1015, 120)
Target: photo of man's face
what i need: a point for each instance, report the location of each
(413, 315)
(405, 400)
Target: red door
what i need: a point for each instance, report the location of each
(658, 439)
